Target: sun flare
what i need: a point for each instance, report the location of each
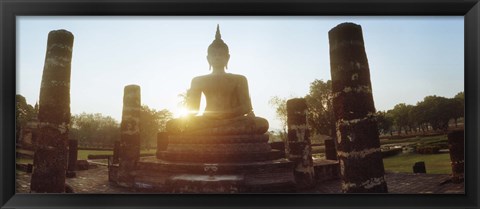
(180, 112)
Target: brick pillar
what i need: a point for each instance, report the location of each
(330, 150)
(162, 141)
(358, 144)
(116, 149)
(129, 152)
(51, 146)
(72, 157)
(456, 144)
(299, 145)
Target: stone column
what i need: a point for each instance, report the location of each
(72, 157)
(162, 141)
(51, 146)
(330, 150)
(358, 144)
(299, 145)
(419, 167)
(456, 144)
(116, 149)
(129, 152)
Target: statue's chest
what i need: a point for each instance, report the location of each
(221, 86)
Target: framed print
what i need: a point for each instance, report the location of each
(256, 104)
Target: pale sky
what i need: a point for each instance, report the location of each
(409, 57)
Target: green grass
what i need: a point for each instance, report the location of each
(318, 149)
(83, 154)
(419, 140)
(150, 151)
(434, 163)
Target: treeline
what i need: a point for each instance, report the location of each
(24, 113)
(95, 130)
(99, 131)
(431, 114)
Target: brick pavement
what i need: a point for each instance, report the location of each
(95, 180)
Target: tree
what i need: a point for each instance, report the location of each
(152, 122)
(419, 115)
(385, 122)
(280, 105)
(458, 104)
(183, 98)
(23, 114)
(439, 111)
(402, 117)
(320, 108)
(94, 129)
(412, 121)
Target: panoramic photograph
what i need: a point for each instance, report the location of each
(251, 104)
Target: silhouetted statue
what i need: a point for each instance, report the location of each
(228, 110)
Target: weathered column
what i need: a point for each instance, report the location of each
(129, 151)
(330, 150)
(456, 144)
(299, 145)
(358, 144)
(162, 141)
(116, 149)
(419, 167)
(51, 146)
(72, 158)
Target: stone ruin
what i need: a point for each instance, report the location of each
(222, 151)
(225, 150)
(358, 143)
(51, 144)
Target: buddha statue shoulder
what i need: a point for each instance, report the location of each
(228, 106)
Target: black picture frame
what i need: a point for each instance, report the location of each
(9, 9)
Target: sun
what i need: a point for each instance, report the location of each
(180, 112)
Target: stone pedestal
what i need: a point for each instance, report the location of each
(51, 146)
(330, 150)
(72, 158)
(218, 149)
(160, 175)
(358, 144)
(279, 146)
(419, 167)
(162, 141)
(116, 150)
(129, 151)
(298, 143)
(189, 183)
(216, 164)
(456, 144)
(326, 170)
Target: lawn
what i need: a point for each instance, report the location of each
(434, 163)
(83, 154)
(416, 139)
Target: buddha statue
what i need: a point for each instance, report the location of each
(228, 110)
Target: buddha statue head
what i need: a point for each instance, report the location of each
(218, 55)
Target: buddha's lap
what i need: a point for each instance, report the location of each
(240, 125)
